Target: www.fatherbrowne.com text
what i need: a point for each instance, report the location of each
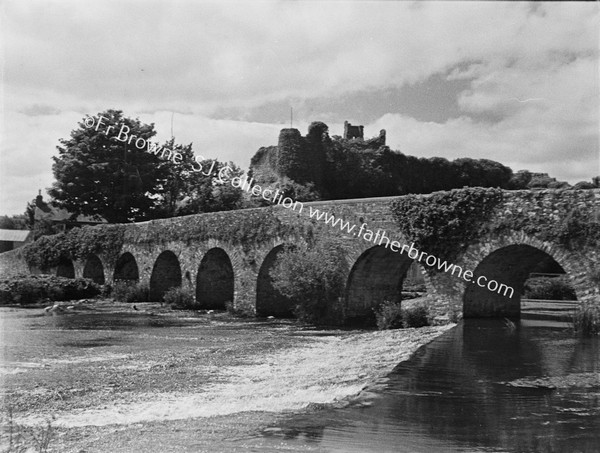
(274, 196)
(378, 238)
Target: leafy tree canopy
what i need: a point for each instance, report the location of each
(13, 223)
(100, 176)
(101, 173)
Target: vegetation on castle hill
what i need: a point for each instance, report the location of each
(336, 168)
(317, 166)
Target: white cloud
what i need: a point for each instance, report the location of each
(155, 57)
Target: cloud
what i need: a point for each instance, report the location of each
(40, 110)
(64, 59)
(27, 151)
(209, 54)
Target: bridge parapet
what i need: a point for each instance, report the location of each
(554, 222)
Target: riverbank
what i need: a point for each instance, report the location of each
(119, 379)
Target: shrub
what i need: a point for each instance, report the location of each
(126, 291)
(549, 288)
(242, 311)
(415, 316)
(230, 307)
(391, 315)
(313, 278)
(107, 290)
(454, 314)
(181, 298)
(586, 320)
(30, 289)
(388, 315)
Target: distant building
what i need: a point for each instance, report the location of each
(303, 158)
(351, 131)
(12, 239)
(60, 219)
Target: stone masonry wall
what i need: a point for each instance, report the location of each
(147, 240)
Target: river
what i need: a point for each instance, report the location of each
(151, 380)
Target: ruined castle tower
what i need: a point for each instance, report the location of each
(351, 131)
(302, 158)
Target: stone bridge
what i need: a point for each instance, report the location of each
(226, 256)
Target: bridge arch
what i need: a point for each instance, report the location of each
(126, 268)
(215, 281)
(166, 274)
(376, 276)
(94, 269)
(65, 268)
(509, 265)
(269, 301)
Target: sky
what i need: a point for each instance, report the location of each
(515, 82)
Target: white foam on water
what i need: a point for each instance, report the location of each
(9, 367)
(323, 371)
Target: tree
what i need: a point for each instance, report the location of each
(110, 169)
(584, 185)
(210, 189)
(30, 214)
(13, 223)
(541, 181)
(520, 180)
(313, 278)
(99, 174)
(44, 227)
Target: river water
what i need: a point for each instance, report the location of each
(483, 386)
(480, 387)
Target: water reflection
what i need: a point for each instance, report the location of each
(479, 387)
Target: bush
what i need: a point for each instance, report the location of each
(454, 314)
(586, 320)
(313, 278)
(549, 288)
(388, 315)
(180, 297)
(31, 289)
(416, 316)
(128, 291)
